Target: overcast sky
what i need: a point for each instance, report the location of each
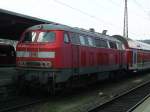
(98, 14)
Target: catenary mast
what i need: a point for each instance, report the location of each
(125, 27)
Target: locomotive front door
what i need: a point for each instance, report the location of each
(75, 59)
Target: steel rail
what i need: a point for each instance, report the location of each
(97, 108)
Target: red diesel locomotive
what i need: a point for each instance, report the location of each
(53, 54)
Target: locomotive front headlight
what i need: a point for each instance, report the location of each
(46, 64)
(18, 62)
(49, 64)
(43, 64)
(23, 63)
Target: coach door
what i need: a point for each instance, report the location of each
(121, 55)
(121, 58)
(134, 58)
(75, 54)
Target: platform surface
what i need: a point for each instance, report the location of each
(144, 107)
(6, 74)
(84, 101)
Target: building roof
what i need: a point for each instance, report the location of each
(13, 24)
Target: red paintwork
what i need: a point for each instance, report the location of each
(72, 56)
(129, 57)
(142, 56)
(36, 47)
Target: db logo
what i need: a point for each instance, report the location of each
(33, 54)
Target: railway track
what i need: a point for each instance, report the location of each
(9, 99)
(21, 102)
(18, 103)
(6, 91)
(125, 101)
(140, 102)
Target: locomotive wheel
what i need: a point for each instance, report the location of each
(22, 86)
(112, 76)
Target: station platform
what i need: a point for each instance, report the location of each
(6, 74)
(143, 107)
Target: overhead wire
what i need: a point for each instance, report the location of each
(85, 13)
(114, 3)
(118, 5)
(134, 12)
(140, 6)
(89, 15)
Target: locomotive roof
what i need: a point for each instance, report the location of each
(4, 44)
(71, 29)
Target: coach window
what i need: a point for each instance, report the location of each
(113, 45)
(66, 38)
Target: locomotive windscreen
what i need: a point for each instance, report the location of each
(36, 36)
(46, 37)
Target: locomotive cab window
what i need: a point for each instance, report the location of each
(46, 37)
(66, 38)
(29, 36)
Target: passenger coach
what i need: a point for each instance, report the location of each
(7, 55)
(138, 54)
